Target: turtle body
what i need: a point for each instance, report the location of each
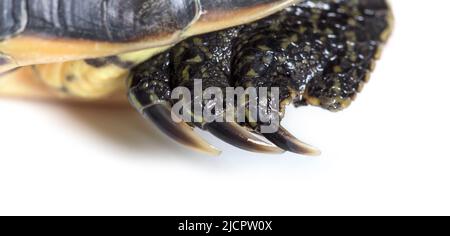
(46, 31)
(315, 52)
(57, 36)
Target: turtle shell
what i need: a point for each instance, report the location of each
(65, 30)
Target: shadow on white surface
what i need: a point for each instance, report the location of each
(124, 128)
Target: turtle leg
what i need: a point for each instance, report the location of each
(151, 87)
(204, 62)
(316, 54)
(205, 59)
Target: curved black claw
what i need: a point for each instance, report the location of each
(161, 116)
(288, 142)
(238, 136)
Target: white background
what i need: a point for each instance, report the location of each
(388, 154)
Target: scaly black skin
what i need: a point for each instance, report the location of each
(314, 54)
(319, 52)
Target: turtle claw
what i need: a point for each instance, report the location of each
(236, 135)
(229, 132)
(288, 142)
(161, 116)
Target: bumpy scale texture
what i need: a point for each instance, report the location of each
(319, 52)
